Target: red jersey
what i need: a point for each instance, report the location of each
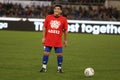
(54, 28)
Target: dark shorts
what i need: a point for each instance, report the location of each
(57, 49)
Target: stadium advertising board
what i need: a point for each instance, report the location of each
(76, 26)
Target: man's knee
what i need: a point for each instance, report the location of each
(46, 53)
(59, 54)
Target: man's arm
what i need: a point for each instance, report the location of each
(43, 34)
(65, 37)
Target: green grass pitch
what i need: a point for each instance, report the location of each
(21, 55)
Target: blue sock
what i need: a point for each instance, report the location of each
(60, 60)
(45, 59)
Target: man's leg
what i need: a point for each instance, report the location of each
(58, 51)
(45, 58)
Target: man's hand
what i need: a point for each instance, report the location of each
(65, 43)
(43, 40)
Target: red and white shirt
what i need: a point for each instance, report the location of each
(54, 28)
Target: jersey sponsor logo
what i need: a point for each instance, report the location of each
(55, 24)
(54, 31)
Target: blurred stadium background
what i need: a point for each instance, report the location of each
(84, 16)
(94, 40)
(73, 9)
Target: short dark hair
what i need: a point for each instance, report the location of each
(58, 6)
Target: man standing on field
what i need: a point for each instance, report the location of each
(54, 25)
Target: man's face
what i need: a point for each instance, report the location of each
(57, 11)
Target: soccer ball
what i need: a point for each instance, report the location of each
(89, 72)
